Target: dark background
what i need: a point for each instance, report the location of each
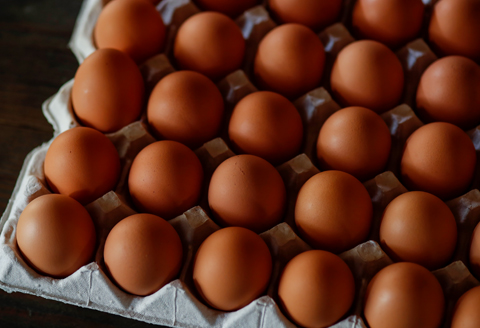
(34, 63)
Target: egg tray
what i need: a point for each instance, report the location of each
(177, 303)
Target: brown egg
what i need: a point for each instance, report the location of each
(132, 26)
(56, 235)
(232, 8)
(449, 91)
(438, 158)
(391, 22)
(267, 125)
(289, 60)
(466, 314)
(404, 295)
(165, 179)
(419, 227)
(186, 107)
(474, 256)
(143, 252)
(333, 211)
(247, 191)
(316, 289)
(209, 43)
(316, 14)
(108, 91)
(232, 268)
(454, 27)
(368, 74)
(82, 163)
(355, 140)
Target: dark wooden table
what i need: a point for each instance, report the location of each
(34, 63)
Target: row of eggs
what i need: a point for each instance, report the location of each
(452, 27)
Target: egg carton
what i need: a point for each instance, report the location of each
(177, 304)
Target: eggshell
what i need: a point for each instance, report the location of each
(267, 125)
(232, 8)
(404, 295)
(108, 91)
(187, 107)
(466, 314)
(82, 163)
(247, 191)
(143, 252)
(56, 235)
(391, 22)
(289, 60)
(316, 289)
(368, 74)
(438, 158)
(355, 140)
(132, 26)
(419, 227)
(315, 14)
(209, 43)
(165, 179)
(333, 211)
(454, 27)
(232, 268)
(474, 255)
(449, 91)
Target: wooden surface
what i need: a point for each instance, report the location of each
(34, 63)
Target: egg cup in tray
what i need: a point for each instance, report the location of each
(177, 303)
